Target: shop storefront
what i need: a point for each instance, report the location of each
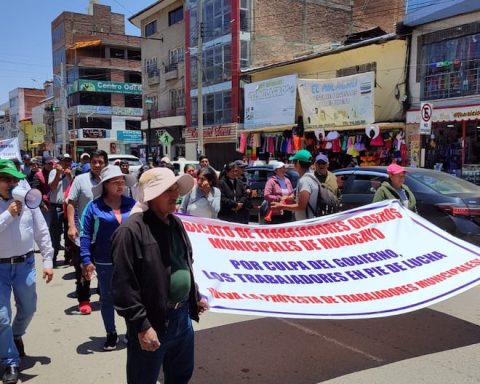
(454, 143)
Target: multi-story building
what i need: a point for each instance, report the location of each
(444, 84)
(21, 102)
(235, 34)
(163, 27)
(97, 83)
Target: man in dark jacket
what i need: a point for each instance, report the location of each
(153, 285)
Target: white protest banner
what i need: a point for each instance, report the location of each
(342, 101)
(374, 261)
(9, 149)
(271, 102)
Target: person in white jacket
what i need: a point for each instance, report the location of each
(20, 226)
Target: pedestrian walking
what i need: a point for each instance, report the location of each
(153, 284)
(278, 189)
(20, 226)
(58, 180)
(101, 218)
(80, 195)
(395, 188)
(234, 201)
(307, 188)
(204, 199)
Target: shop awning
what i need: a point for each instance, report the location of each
(394, 125)
(273, 128)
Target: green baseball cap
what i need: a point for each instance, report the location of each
(302, 155)
(8, 167)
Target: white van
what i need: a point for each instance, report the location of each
(182, 162)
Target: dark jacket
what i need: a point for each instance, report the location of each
(141, 272)
(233, 193)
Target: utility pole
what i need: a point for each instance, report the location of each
(200, 149)
(63, 105)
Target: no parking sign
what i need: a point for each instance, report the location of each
(426, 112)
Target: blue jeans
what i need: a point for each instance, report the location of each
(175, 353)
(104, 276)
(21, 278)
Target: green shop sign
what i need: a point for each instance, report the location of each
(105, 86)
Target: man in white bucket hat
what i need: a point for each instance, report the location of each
(153, 285)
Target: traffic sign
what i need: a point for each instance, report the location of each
(426, 112)
(165, 138)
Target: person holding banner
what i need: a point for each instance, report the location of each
(395, 188)
(20, 226)
(279, 189)
(153, 285)
(307, 188)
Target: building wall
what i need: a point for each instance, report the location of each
(158, 46)
(390, 58)
(415, 71)
(283, 29)
(379, 13)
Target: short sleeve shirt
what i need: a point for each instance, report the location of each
(307, 183)
(81, 191)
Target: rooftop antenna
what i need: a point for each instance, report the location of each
(90, 6)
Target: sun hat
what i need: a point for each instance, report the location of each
(165, 159)
(302, 155)
(8, 167)
(66, 156)
(240, 163)
(395, 169)
(85, 154)
(110, 172)
(321, 157)
(155, 181)
(277, 165)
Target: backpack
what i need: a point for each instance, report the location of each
(327, 200)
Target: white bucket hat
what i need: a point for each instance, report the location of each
(110, 172)
(155, 181)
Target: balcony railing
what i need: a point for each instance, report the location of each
(180, 111)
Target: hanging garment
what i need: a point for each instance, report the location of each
(271, 145)
(359, 145)
(344, 143)
(243, 142)
(297, 143)
(351, 147)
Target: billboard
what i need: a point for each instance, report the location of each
(337, 102)
(270, 102)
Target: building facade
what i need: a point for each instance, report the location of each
(21, 103)
(97, 83)
(444, 83)
(163, 71)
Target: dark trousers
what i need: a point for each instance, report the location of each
(82, 285)
(56, 227)
(176, 353)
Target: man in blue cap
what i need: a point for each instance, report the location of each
(20, 226)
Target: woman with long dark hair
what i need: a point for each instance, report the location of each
(204, 199)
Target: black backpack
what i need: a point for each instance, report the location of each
(327, 200)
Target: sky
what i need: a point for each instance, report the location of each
(25, 37)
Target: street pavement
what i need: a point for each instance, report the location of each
(435, 345)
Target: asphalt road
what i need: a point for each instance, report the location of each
(435, 345)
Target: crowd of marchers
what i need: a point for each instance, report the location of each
(122, 228)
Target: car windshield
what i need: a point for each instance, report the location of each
(444, 183)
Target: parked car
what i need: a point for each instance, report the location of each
(134, 162)
(257, 176)
(447, 201)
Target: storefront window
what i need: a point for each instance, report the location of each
(452, 68)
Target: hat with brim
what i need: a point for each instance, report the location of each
(395, 169)
(277, 165)
(8, 167)
(110, 172)
(155, 181)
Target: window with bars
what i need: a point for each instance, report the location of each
(451, 67)
(151, 66)
(177, 98)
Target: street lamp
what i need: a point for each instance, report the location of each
(148, 105)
